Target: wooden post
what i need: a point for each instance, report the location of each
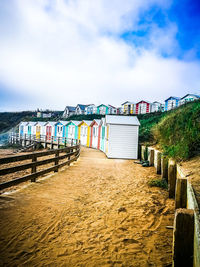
(142, 152)
(45, 144)
(181, 193)
(34, 159)
(164, 167)
(171, 178)
(151, 157)
(158, 165)
(183, 238)
(24, 139)
(139, 151)
(52, 142)
(56, 160)
(58, 141)
(65, 144)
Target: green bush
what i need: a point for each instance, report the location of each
(158, 183)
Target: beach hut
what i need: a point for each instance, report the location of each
(102, 109)
(102, 137)
(157, 106)
(171, 103)
(40, 129)
(143, 107)
(188, 98)
(94, 133)
(50, 129)
(31, 128)
(122, 136)
(84, 132)
(127, 108)
(71, 129)
(23, 129)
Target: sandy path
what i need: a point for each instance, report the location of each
(98, 212)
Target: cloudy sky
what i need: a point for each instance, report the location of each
(55, 53)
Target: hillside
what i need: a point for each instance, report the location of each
(9, 120)
(177, 132)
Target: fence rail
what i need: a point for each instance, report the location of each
(71, 153)
(27, 139)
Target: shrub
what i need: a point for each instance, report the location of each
(158, 183)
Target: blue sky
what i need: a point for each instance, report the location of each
(58, 53)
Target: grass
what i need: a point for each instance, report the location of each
(147, 122)
(158, 183)
(178, 133)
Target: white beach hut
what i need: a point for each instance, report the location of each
(31, 128)
(23, 128)
(40, 129)
(122, 136)
(50, 129)
(94, 133)
(102, 136)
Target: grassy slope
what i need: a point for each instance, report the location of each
(176, 131)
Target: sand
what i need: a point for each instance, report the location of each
(191, 169)
(98, 212)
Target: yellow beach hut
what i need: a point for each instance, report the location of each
(84, 132)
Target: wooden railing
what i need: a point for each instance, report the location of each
(52, 141)
(71, 153)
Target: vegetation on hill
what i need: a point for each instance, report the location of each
(85, 117)
(9, 120)
(178, 133)
(147, 122)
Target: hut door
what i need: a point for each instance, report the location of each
(48, 132)
(129, 109)
(38, 132)
(29, 130)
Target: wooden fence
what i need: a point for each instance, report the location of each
(51, 141)
(70, 153)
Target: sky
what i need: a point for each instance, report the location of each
(55, 53)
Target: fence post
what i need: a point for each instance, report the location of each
(45, 144)
(183, 238)
(24, 139)
(158, 165)
(164, 167)
(171, 178)
(34, 159)
(52, 142)
(151, 157)
(65, 144)
(56, 160)
(58, 141)
(139, 152)
(181, 193)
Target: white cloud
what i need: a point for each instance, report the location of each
(71, 54)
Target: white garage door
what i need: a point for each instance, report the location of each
(123, 142)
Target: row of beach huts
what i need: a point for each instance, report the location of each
(116, 136)
(129, 108)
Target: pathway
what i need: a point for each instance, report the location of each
(98, 212)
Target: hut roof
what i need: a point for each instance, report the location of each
(123, 120)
